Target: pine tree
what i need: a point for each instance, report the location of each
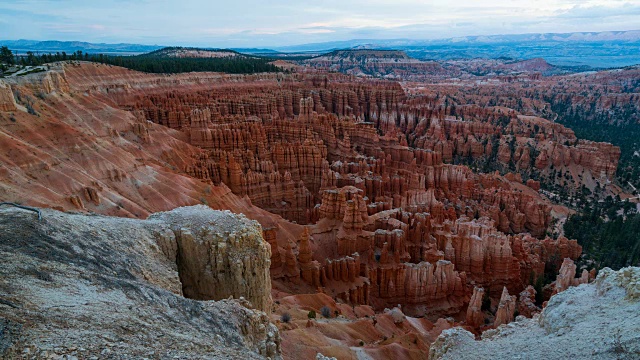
(6, 56)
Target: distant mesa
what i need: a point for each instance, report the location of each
(374, 62)
(537, 64)
(187, 52)
(359, 53)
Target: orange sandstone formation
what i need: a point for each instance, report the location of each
(475, 317)
(566, 276)
(7, 101)
(360, 189)
(506, 309)
(527, 302)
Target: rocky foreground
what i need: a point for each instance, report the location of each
(93, 287)
(600, 320)
(89, 286)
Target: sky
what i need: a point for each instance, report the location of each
(272, 23)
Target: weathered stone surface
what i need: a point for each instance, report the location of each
(567, 276)
(527, 302)
(7, 101)
(94, 286)
(220, 254)
(506, 309)
(576, 324)
(475, 317)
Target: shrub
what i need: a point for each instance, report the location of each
(285, 317)
(30, 109)
(311, 314)
(29, 106)
(326, 312)
(486, 302)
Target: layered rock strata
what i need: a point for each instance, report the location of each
(506, 309)
(475, 317)
(7, 101)
(391, 216)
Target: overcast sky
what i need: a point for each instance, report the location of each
(241, 23)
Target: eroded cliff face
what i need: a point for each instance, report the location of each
(379, 63)
(81, 152)
(86, 286)
(220, 254)
(425, 260)
(393, 223)
(281, 140)
(7, 101)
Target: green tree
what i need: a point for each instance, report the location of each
(31, 58)
(6, 56)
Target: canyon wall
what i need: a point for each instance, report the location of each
(390, 213)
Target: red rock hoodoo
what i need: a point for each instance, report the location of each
(360, 188)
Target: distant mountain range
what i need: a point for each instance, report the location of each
(593, 49)
(583, 49)
(631, 36)
(21, 46)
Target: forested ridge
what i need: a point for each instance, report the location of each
(609, 229)
(609, 233)
(154, 62)
(587, 124)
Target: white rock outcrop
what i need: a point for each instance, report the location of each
(81, 286)
(600, 320)
(220, 254)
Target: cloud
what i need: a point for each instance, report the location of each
(286, 22)
(599, 12)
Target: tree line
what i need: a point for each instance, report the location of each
(608, 230)
(609, 233)
(147, 63)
